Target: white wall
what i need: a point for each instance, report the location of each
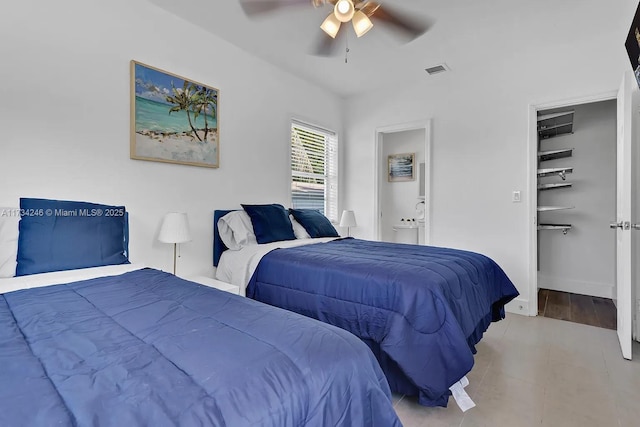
(480, 127)
(583, 260)
(398, 199)
(64, 118)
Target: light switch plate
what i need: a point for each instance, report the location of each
(516, 197)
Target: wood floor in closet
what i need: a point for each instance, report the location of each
(587, 310)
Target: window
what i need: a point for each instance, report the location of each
(314, 169)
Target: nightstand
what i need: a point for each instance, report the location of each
(213, 283)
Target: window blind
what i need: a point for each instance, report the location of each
(314, 169)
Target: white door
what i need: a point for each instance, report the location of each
(627, 111)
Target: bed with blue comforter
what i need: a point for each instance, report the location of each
(146, 348)
(421, 309)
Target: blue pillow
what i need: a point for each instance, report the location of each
(316, 224)
(271, 223)
(63, 235)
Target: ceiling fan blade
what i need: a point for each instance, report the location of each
(409, 26)
(260, 7)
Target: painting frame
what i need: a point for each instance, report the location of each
(174, 119)
(401, 167)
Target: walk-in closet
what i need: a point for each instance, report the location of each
(576, 183)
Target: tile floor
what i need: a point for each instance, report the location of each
(536, 371)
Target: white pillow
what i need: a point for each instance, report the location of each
(9, 219)
(235, 230)
(298, 229)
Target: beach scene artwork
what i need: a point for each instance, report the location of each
(401, 167)
(173, 119)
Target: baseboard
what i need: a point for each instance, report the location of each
(594, 289)
(519, 306)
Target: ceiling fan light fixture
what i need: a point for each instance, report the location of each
(331, 25)
(361, 23)
(344, 10)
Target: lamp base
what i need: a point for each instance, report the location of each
(174, 258)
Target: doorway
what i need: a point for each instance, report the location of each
(408, 199)
(573, 199)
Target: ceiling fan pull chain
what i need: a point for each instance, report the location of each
(346, 52)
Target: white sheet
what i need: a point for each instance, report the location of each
(237, 267)
(57, 277)
(9, 219)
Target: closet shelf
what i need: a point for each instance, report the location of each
(553, 208)
(563, 227)
(543, 156)
(555, 185)
(551, 116)
(555, 124)
(561, 172)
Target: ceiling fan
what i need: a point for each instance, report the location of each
(358, 12)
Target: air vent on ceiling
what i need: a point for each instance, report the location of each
(440, 68)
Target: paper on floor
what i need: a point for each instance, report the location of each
(460, 396)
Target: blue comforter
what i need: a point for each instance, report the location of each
(148, 349)
(421, 309)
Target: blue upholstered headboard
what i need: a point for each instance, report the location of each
(65, 235)
(218, 246)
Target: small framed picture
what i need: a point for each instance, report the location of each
(401, 167)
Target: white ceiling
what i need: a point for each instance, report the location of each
(466, 33)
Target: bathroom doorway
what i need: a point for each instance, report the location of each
(403, 201)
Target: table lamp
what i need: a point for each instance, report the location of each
(348, 220)
(174, 229)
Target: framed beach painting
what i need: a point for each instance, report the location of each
(173, 119)
(401, 167)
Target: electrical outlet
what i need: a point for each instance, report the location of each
(516, 197)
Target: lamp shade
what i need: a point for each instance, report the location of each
(174, 228)
(348, 219)
(361, 23)
(331, 26)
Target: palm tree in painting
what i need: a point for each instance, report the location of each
(183, 100)
(205, 102)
